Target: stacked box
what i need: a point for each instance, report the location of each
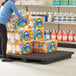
(15, 23)
(27, 47)
(64, 2)
(39, 28)
(45, 46)
(72, 2)
(56, 2)
(24, 39)
(35, 47)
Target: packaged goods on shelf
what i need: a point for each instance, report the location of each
(64, 17)
(70, 37)
(47, 35)
(65, 36)
(53, 35)
(40, 14)
(49, 16)
(59, 36)
(55, 18)
(56, 2)
(74, 37)
(64, 2)
(72, 2)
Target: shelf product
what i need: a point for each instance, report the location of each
(72, 2)
(64, 17)
(64, 2)
(45, 46)
(56, 2)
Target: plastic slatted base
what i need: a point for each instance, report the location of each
(43, 58)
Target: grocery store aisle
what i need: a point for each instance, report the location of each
(61, 68)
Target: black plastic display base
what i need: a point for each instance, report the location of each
(43, 58)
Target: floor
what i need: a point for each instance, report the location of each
(61, 68)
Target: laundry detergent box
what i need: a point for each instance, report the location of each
(27, 47)
(38, 22)
(27, 35)
(17, 23)
(11, 36)
(12, 22)
(56, 2)
(72, 2)
(39, 34)
(64, 2)
(9, 48)
(47, 46)
(18, 48)
(35, 47)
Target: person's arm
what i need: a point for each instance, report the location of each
(14, 8)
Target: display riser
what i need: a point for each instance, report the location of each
(43, 58)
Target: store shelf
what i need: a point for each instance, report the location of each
(35, 5)
(48, 5)
(64, 5)
(70, 23)
(67, 44)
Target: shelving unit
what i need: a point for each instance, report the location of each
(64, 6)
(70, 23)
(55, 25)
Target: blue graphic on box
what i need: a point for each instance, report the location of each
(52, 46)
(25, 36)
(26, 48)
(39, 34)
(19, 24)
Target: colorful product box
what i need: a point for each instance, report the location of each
(56, 2)
(64, 2)
(47, 46)
(39, 35)
(18, 23)
(28, 35)
(18, 48)
(27, 47)
(35, 47)
(11, 37)
(9, 48)
(18, 35)
(72, 2)
(38, 22)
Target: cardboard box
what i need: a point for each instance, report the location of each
(47, 46)
(39, 35)
(27, 47)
